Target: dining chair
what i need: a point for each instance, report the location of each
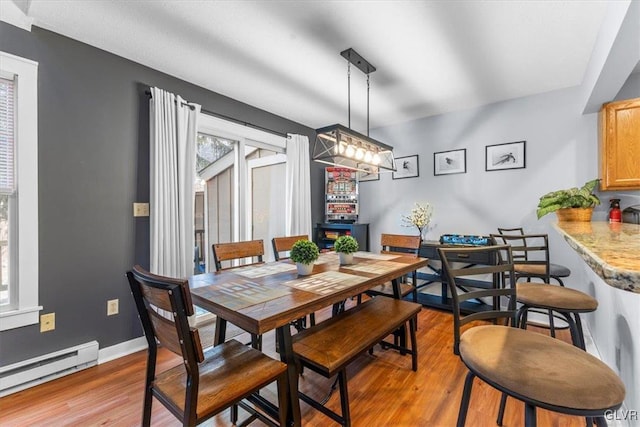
(540, 371)
(399, 244)
(282, 245)
(281, 248)
(556, 271)
(203, 383)
(227, 252)
(556, 301)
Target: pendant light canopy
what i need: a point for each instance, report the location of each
(341, 146)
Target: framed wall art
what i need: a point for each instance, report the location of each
(368, 172)
(406, 167)
(505, 156)
(450, 162)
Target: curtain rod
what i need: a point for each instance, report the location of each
(232, 119)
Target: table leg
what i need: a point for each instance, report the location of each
(221, 331)
(402, 332)
(286, 355)
(396, 288)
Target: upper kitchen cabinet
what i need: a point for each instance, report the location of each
(620, 145)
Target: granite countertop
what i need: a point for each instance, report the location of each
(611, 250)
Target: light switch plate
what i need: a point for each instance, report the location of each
(140, 209)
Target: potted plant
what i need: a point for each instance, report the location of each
(345, 246)
(420, 217)
(574, 204)
(304, 253)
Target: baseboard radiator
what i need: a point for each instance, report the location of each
(38, 370)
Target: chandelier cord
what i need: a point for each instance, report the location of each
(349, 92)
(367, 104)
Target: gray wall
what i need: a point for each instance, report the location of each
(630, 89)
(93, 164)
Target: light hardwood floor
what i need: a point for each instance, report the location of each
(382, 388)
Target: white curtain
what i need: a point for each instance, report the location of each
(298, 186)
(172, 173)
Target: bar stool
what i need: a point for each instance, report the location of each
(531, 254)
(536, 369)
(556, 271)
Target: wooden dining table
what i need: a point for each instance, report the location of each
(262, 297)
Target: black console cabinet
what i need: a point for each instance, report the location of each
(442, 300)
(326, 234)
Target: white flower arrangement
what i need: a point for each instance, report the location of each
(420, 216)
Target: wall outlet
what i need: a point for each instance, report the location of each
(112, 307)
(141, 209)
(47, 322)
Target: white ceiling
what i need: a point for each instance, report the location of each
(284, 56)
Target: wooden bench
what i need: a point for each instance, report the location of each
(328, 347)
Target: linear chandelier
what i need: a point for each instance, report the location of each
(341, 146)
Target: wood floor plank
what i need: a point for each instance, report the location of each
(383, 391)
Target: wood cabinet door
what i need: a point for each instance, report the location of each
(620, 145)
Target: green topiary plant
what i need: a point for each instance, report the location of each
(346, 245)
(304, 252)
(571, 198)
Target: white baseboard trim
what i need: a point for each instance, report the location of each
(108, 354)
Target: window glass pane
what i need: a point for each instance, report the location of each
(5, 260)
(210, 148)
(7, 120)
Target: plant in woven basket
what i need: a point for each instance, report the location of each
(304, 252)
(346, 244)
(572, 198)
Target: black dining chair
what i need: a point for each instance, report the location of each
(204, 383)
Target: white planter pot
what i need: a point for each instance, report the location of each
(345, 259)
(304, 269)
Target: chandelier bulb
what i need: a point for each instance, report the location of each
(376, 159)
(350, 151)
(359, 154)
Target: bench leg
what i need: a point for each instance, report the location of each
(414, 345)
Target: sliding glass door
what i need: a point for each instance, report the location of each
(241, 178)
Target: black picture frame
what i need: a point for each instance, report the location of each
(510, 155)
(406, 167)
(450, 162)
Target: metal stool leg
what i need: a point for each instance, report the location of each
(503, 405)
(466, 396)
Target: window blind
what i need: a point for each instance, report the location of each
(7, 136)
